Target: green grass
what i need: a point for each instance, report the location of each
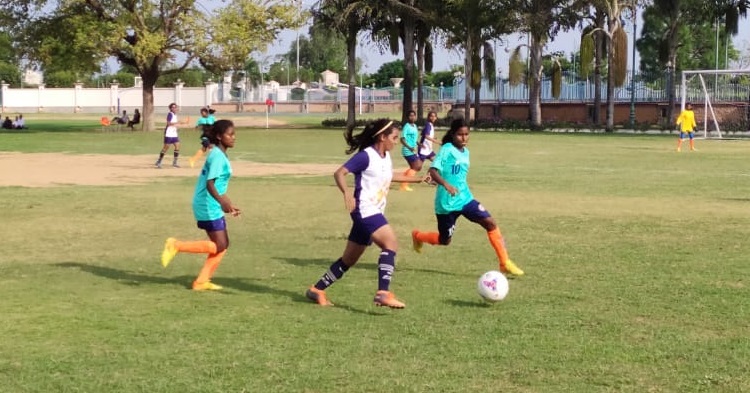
(636, 261)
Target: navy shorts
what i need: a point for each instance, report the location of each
(169, 140)
(473, 211)
(363, 228)
(689, 134)
(427, 157)
(411, 158)
(213, 225)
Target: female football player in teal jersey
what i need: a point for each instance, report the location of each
(454, 199)
(210, 203)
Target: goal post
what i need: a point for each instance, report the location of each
(725, 98)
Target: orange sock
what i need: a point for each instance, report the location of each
(692, 145)
(496, 239)
(679, 143)
(428, 237)
(196, 247)
(197, 155)
(209, 267)
(409, 172)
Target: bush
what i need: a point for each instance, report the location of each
(339, 123)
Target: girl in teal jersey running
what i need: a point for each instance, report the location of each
(210, 203)
(454, 199)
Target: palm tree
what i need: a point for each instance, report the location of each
(408, 21)
(542, 20)
(617, 49)
(594, 51)
(348, 17)
(472, 25)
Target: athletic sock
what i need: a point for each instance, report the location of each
(496, 239)
(196, 247)
(209, 267)
(335, 272)
(428, 237)
(386, 265)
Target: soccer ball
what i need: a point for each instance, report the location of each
(492, 286)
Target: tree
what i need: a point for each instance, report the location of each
(472, 25)
(324, 49)
(668, 34)
(392, 69)
(695, 49)
(594, 51)
(542, 20)
(68, 51)
(407, 21)
(617, 48)
(160, 37)
(348, 17)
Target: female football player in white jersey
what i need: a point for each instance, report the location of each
(373, 173)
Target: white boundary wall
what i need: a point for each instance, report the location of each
(103, 100)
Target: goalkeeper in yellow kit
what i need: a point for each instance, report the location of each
(687, 124)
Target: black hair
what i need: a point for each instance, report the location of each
(368, 136)
(410, 112)
(456, 125)
(218, 129)
(204, 110)
(211, 111)
(431, 112)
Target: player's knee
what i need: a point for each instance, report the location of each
(222, 245)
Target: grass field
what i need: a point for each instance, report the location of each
(636, 260)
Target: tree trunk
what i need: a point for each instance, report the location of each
(351, 69)
(535, 82)
(149, 81)
(467, 78)
(477, 99)
(610, 125)
(420, 80)
(409, 41)
(598, 55)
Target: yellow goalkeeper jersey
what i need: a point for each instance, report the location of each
(686, 121)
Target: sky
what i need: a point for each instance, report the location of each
(443, 58)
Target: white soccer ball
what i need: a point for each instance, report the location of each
(492, 286)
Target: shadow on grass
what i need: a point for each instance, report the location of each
(464, 303)
(240, 284)
(127, 277)
(325, 263)
(736, 199)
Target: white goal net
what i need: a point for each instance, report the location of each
(720, 99)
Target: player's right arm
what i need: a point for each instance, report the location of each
(435, 176)
(340, 178)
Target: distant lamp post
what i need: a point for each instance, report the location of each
(632, 74)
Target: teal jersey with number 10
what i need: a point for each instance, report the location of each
(453, 166)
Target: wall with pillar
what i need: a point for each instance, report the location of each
(102, 100)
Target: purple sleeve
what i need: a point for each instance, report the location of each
(358, 162)
(170, 115)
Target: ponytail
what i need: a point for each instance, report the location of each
(368, 136)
